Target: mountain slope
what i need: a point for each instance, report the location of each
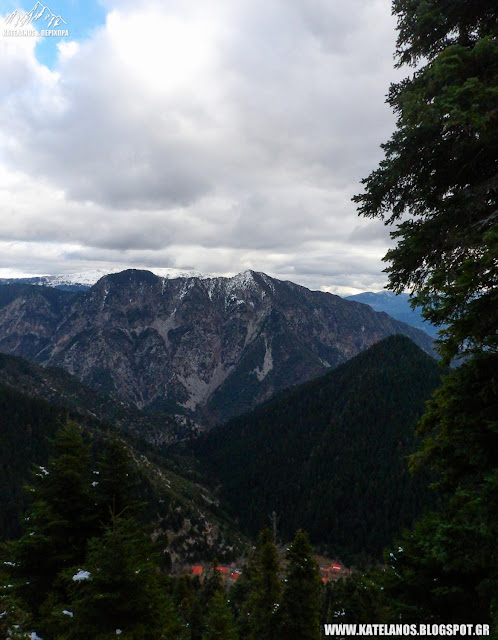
(187, 518)
(397, 306)
(205, 347)
(330, 455)
(59, 388)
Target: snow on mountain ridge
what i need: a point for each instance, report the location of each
(244, 279)
(90, 277)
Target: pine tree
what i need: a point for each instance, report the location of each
(220, 623)
(355, 599)
(120, 588)
(439, 571)
(439, 184)
(13, 617)
(438, 180)
(448, 567)
(115, 482)
(59, 523)
(265, 589)
(300, 608)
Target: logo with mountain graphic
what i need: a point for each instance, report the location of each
(25, 23)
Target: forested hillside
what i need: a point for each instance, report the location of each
(64, 390)
(330, 456)
(192, 521)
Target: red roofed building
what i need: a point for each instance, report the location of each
(196, 570)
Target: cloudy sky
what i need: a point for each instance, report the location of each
(215, 135)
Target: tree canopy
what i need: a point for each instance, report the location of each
(438, 183)
(439, 179)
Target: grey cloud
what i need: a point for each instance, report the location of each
(252, 163)
(291, 105)
(372, 232)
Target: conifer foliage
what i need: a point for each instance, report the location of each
(220, 624)
(300, 610)
(261, 608)
(439, 178)
(60, 522)
(122, 590)
(439, 184)
(83, 570)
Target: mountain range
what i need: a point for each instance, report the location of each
(205, 348)
(321, 396)
(62, 390)
(85, 279)
(397, 306)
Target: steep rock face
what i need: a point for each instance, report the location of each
(28, 317)
(209, 347)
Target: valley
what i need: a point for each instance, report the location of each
(334, 446)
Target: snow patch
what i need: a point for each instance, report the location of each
(106, 293)
(185, 288)
(81, 575)
(90, 277)
(244, 280)
(267, 366)
(211, 286)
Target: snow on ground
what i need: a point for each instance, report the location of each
(81, 575)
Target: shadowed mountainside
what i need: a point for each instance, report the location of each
(330, 456)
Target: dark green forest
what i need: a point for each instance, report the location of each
(26, 425)
(331, 455)
(86, 565)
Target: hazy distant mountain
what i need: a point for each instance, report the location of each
(330, 455)
(85, 279)
(205, 347)
(397, 306)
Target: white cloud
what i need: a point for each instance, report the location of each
(217, 136)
